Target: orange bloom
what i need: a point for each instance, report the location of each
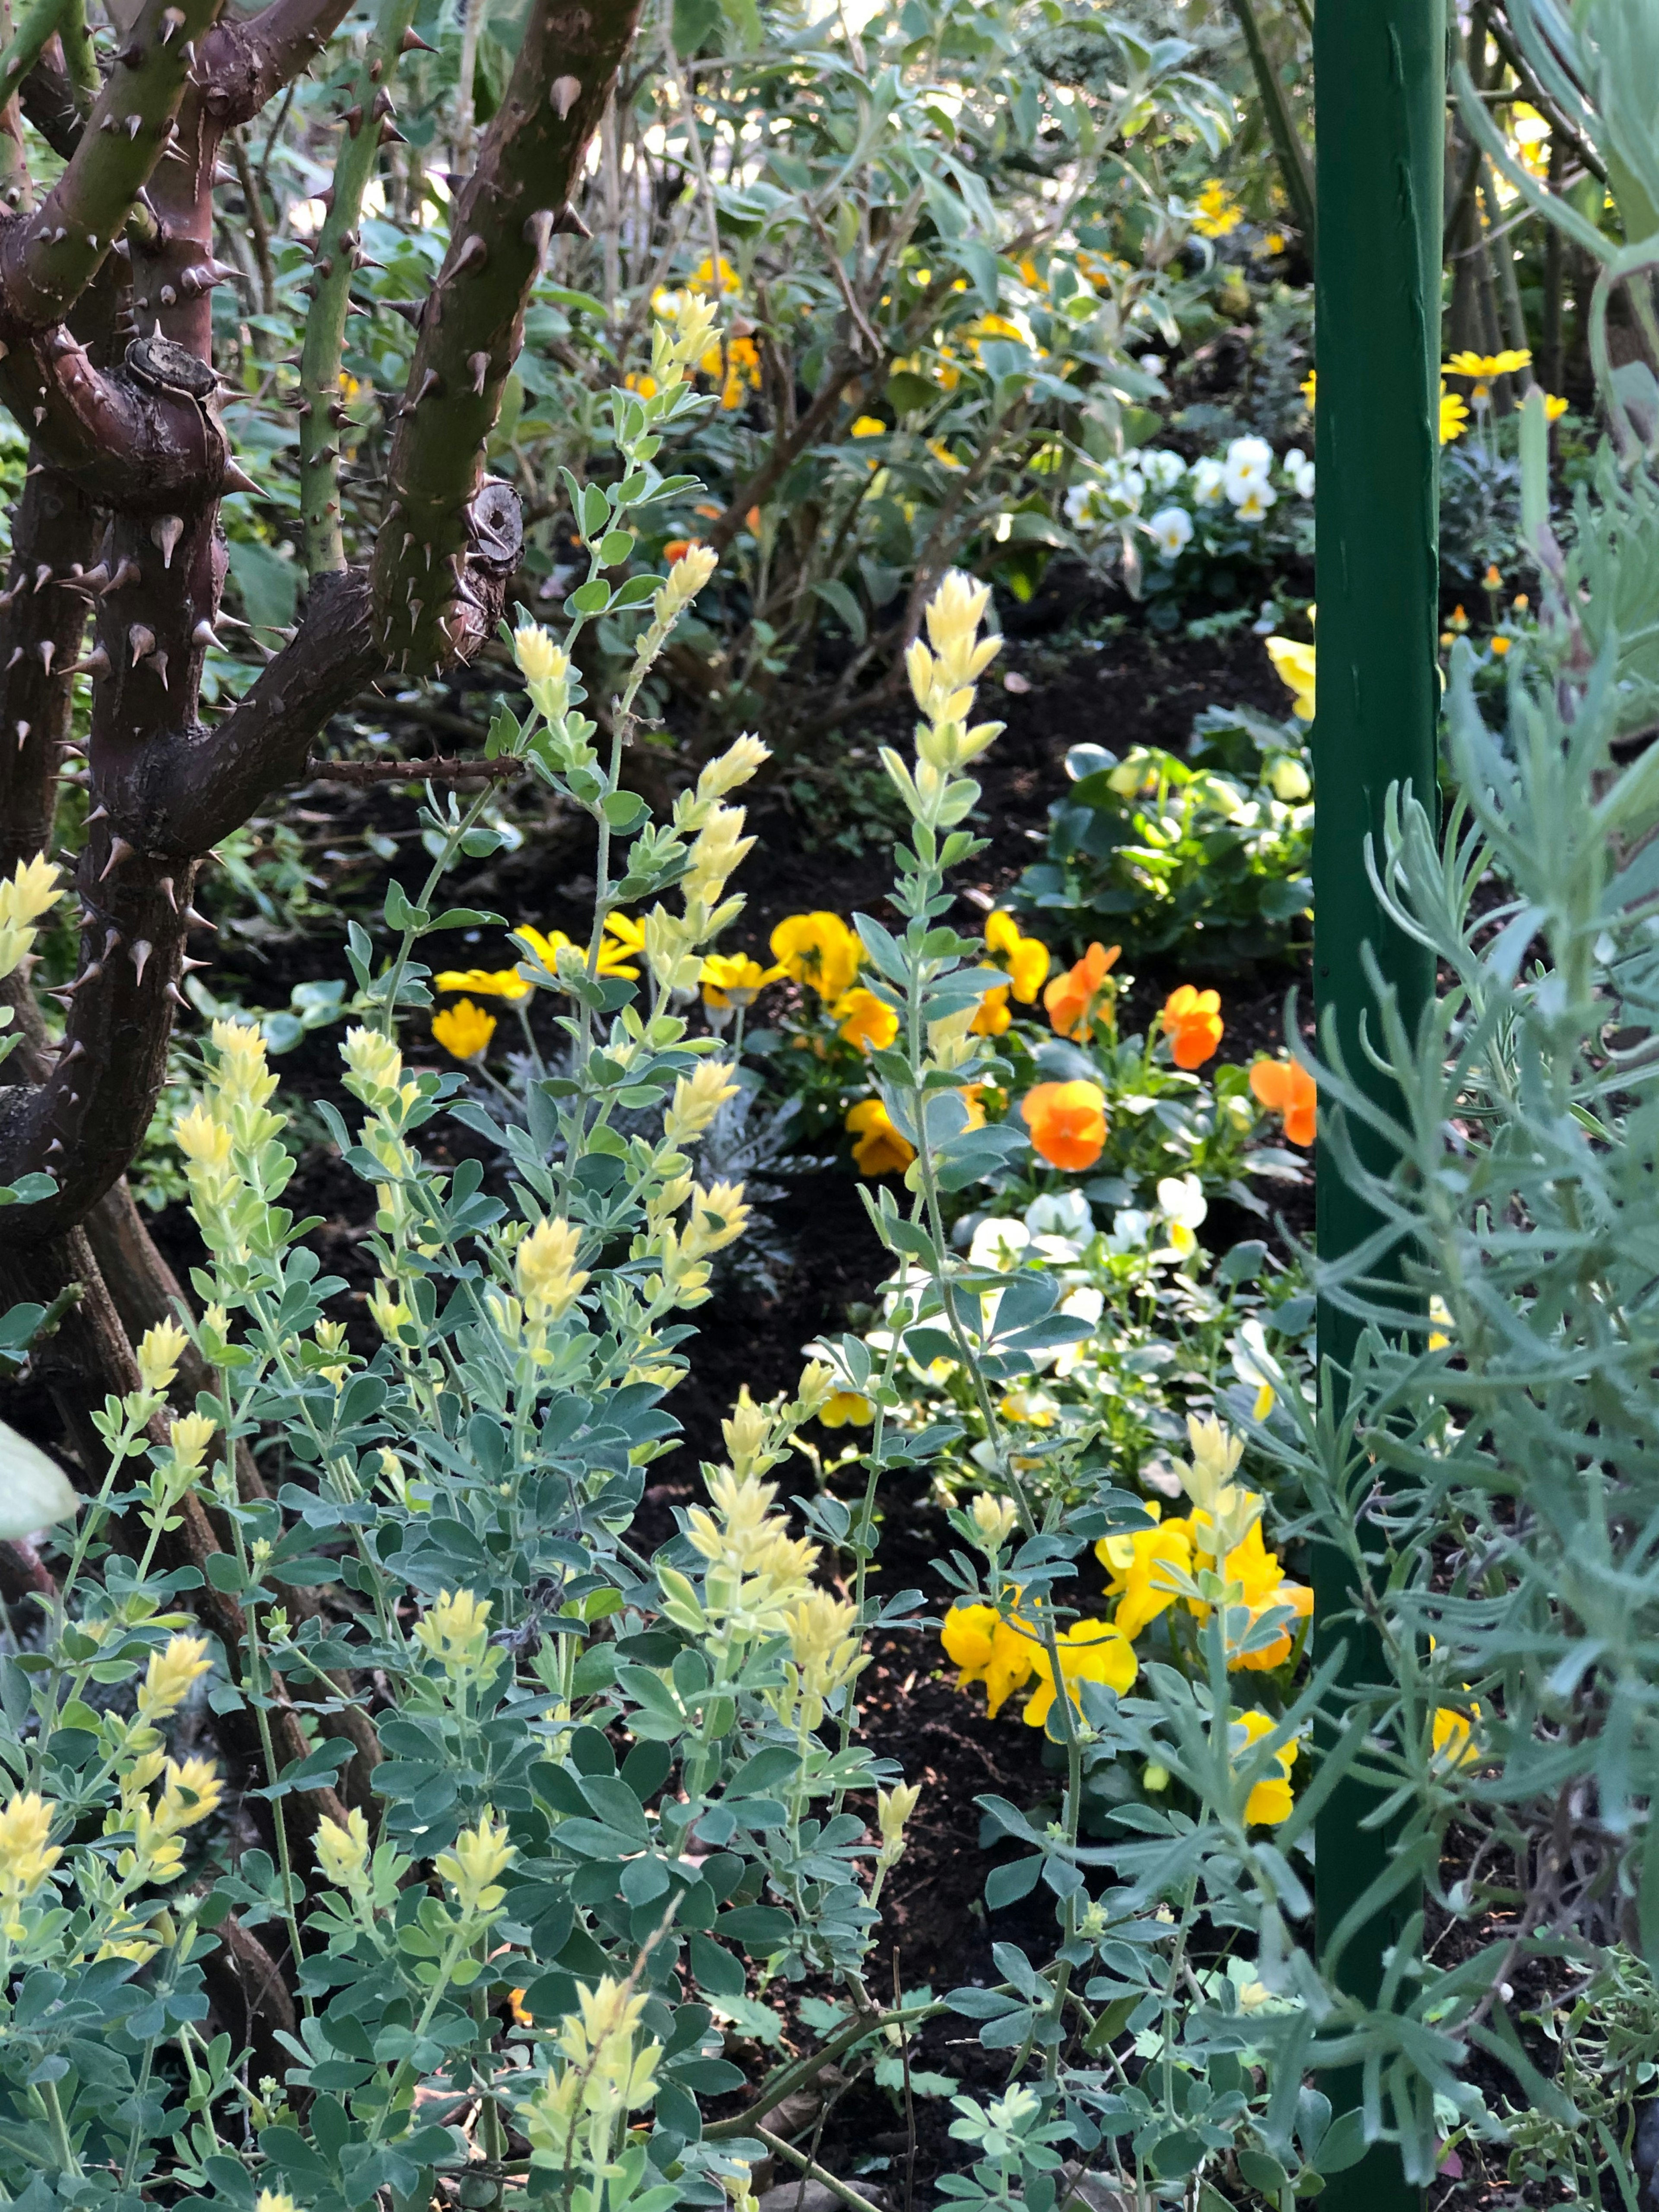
(1192, 1022)
(1071, 999)
(1284, 1086)
(991, 1016)
(677, 547)
(1067, 1122)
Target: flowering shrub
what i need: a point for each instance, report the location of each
(1208, 528)
(1208, 854)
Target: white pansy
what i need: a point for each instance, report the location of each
(1084, 1304)
(997, 1243)
(1060, 1213)
(1172, 530)
(1251, 499)
(1208, 483)
(1079, 505)
(1161, 469)
(1299, 472)
(1249, 457)
(34, 1491)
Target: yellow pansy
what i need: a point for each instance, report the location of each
(864, 1020)
(1137, 1567)
(488, 982)
(1025, 958)
(819, 949)
(1296, 665)
(1090, 1651)
(1001, 1654)
(732, 979)
(1271, 1802)
(463, 1029)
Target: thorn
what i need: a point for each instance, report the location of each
(127, 572)
(109, 123)
(22, 730)
(160, 663)
(564, 92)
(169, 297)
(120, 850)
(473, 249)
(185, 967)
(142, 640)
(479, 364)
(409, 539)
(382, 102)
(177, 996)
(391, 136)
(100, 813)
(45, 648)
(71, 1054)
(39, 416)
(173, 21)
(93, 580)
(142, 949)
(165, 884)
(430, 384)
(96, 664)
(353, 119)
(194, 920)
(56, 1146)
(324, 267)
(87, 975)
(111, 939)
(133, 122)
(166, 532)
(410, 310)
(42, 577)
(16, 655)
(412, 43)
(238, 479)
(203, 633)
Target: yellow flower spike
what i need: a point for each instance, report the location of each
(240, 1074)
(464, 1030)
(719, 1218)
(994, 1519)
(1216, 212)
(549, 1280)
(189, 1438)
(204, 1142)
(864, 1020)
(26, 1857)
(169, 1679)
(1090, 1651)
(160, 1350)
(473, 1868)
(697, 1099)
(455, 1630)
(342, 1852)
(893, 1810)
(825, 1643)
(374, 1066)
(190, 1794)
(31, 891)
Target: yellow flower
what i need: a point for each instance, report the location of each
(1482, 367)
(472, 1869)
(189, 1793)
(160, 1350)
(1453, 414)
(697, 1098)
(273, 2200)
(869, 426)
(167, 1679)
(1295, 666)
(990, 1650)
(819, 949)
(488, 982)
(31, 891)
(343, 1853)
(1554, 406)
(728, 280)
(455, 1630)
(1269, 1803)
(1090, 1651)
(994, 1519)
(878, 1148)
(550, 1282)
(732, 979)
(1254, 1573)
(620, 938)
(1217, 211)
(865, 1020)
(25, 1858)
(189, 1438)
(1309, 388)
(1454, 1736)
(203, 1141)
(1025, 958)
(463, 1029)
(844, 1406)
(1139, 1564)
(992, 1016)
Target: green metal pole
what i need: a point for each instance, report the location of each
(1379, 78)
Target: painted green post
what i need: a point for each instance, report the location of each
(1379, 76)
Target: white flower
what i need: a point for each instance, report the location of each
(1084, 1304)
(1150, 364)
(1161, 469)
(1172, 530)
(1249, 457)
(1123, 487)
(997, 1243)
(1182, 1202)
(1061, 1213)
(1209, 482)
(1251, 498)
(1083, 505)
(34, 1490)
(1299, 472)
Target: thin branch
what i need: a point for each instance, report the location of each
(441, 770)
(47, 261)
(473, 327)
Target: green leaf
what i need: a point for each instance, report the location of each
(267, 584)
(592, 597)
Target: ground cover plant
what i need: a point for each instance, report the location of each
(673, 1566)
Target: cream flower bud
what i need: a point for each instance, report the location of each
(374, 1066)
(994, 1521)
(733, 767)
(685, 579)
(160, 1350)
(342, 1852)
(481, 1855)
(819, 1385)
(539, 657)
(189, 1439)
(697, 1099)
(241, 1075)
(747, 1434)
(169, 1677)
(719, 1218)
(203, 1141)
(893, 1808)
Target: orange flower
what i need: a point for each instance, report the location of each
(677, 547)
(878, 1147)
(1071, 999)
(865, 1020)
(1067, 1122)
(991, 1016)
(1192, 1022)
(1284, 1086)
